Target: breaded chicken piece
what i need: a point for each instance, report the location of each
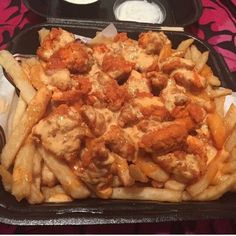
(172, 63)
(184, 167)
(152, 42)
(116, 66)
(75, 56)
(56, 39)
(164, 140)
(158, 81)
(189, 79)
(136, 83)
(94, 119)
(173, 95)
(143, 107)
(119, 142)
(95, 168)
(61, 132)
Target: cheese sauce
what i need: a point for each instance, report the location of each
(140, 11)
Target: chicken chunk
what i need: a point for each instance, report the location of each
(61, 132)
(120, 143)
(173, 95)
(152, 42)
(116, 66)
(94, 119)
(56, 39)
(158, 81)
(185, 168)
(75, 56)
(136, 83)
(164, 140)
(172, 63)
(95, 169)
(189, 79)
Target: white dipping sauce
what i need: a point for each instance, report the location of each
(139, 11)
(82, 2)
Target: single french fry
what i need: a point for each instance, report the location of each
(35, 197)
(69, 181)
(123, 171)
(33, 114)
(147, 193)
(219, 92)
(230, 119)
(217, 128)
(195, 53)
(23, 171)
(6, 178)
(214, 81)
(174, 185)
(48, 178)
(212, 169)
(231, 141)
(151, 169)
(219, 102)
(55, 194)
(185, 44)
(215, 192)
(202, 60)
(14, 69)
(20, 109)
(188, 54)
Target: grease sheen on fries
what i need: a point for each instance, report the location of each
(118, 119)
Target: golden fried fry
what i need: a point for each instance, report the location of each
(48, 178)
(23, 171)
(230, 119)
(147, 193)
(13, 68)
(215, 192)
(219, 102)
(201, 61)
(217, 128)
(185, 44)
(6, 178)
(212, 169)
(20, 109)
(231, 141)
(33, 114)
(69, 181)
(174, 185)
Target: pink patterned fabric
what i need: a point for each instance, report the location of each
(217, 26)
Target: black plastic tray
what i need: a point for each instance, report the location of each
(97, 211)
(178, 12)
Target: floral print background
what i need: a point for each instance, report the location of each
(217, 26)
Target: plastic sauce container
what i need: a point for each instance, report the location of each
(81, 2)
(139, 11)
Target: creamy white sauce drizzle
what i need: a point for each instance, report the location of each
(139, 11)
(82, 2)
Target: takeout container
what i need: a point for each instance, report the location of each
(98, 211)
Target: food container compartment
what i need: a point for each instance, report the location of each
(175, 13)
(97, 211)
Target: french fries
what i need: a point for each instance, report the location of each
(69, 181)
(23, 171)
(13, 68)
(33, 114)
(6, 178)
(53, 154)
(147, 193)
